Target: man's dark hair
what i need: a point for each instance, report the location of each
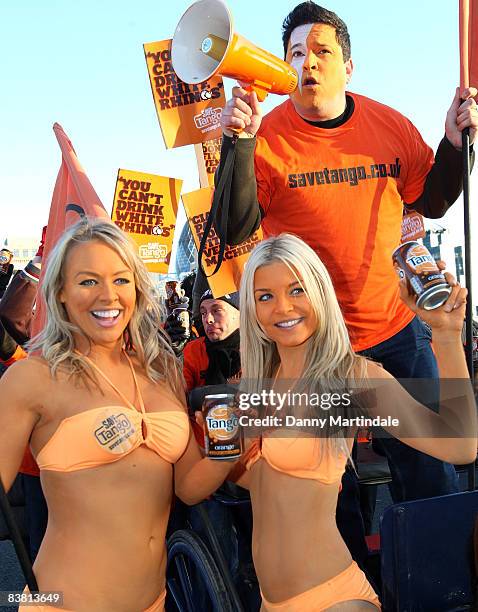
(309, 12)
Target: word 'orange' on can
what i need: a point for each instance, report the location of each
(414, 262)
(222, 432)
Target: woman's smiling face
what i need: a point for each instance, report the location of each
(99, 292)
(283, 308)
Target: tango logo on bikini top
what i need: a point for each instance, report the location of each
(114, 432)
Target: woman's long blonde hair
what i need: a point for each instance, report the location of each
(143, 334)
(330, 360)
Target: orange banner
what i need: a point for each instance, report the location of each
(412, 226)
(228, 277)
(211, 150)
(188, 114)
(73, 198)
(145, 207)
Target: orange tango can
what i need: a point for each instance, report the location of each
(414, 262)
(222, 432)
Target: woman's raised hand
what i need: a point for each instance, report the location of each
(448, 317)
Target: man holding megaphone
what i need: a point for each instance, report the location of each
(337, 169)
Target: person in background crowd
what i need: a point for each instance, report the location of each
(179, 328)
(6, 269)
(214, 359)
(16, 311)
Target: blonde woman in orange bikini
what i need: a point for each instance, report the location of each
(102, 405)
(292, 329)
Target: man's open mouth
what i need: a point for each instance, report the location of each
(309, 81)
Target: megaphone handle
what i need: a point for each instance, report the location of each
(235, 132)
(260, 91)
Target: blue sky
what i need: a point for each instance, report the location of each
(82, 64)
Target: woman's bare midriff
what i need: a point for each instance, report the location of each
(104, 547)
(296, 543)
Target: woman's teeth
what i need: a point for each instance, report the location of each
(288, 323)
(106, 314)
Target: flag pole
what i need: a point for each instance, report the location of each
(465, 140)
(464, 19)
(465, 145)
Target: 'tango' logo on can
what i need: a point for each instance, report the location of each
(413, 262)
(222, 423)
(223, 434)
(420, 259)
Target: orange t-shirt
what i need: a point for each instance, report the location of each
(342, 191)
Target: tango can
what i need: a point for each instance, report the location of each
(414, 262)
(222, 432)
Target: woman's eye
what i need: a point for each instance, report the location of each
(265, 297)
(122, 281)
(89, 282)
(297, 54)
(297, 291)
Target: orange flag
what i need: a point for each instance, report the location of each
(73, 197)
(468, 43)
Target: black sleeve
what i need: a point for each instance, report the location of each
(244, 211)
(8, 346)
(5, 278)
(444, 182)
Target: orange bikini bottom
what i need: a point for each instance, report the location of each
(156, 606)
(348, 585)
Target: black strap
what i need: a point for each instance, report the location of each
(222, 198)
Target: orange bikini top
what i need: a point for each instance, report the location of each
(106, 434)
(299, 457)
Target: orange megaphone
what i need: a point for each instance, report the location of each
(205, 44)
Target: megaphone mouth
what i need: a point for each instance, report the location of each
(205, 45)
(207, 27)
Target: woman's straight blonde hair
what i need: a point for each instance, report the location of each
(330, 360)
(144, 335)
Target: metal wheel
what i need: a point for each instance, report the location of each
(194, 581)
